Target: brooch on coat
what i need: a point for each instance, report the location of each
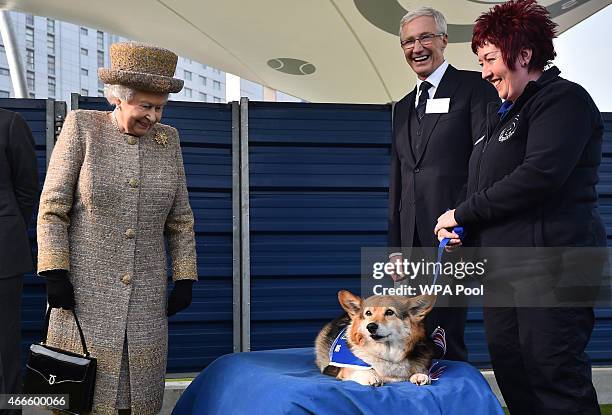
(161, 138)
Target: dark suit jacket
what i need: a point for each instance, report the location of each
(18, 193)
(423, 186)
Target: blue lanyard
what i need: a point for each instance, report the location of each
(459, 231)
(504, 109)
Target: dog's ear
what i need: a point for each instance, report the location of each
(350, 303)
(419, 306)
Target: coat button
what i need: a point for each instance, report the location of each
(134, 182)
(131, 140)
(126, 279)
(416, 170)
(129, 233)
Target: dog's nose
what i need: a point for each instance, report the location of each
(372, 327)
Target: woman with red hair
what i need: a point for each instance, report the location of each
(532, 184)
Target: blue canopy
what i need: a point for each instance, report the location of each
(288, 382)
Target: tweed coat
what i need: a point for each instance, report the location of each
(107, 201)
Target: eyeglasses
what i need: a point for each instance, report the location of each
(425, 40)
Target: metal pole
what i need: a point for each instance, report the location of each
(12, 55)
(245, 227)
(236, 230)
(50, 130)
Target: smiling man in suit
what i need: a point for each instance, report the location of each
(434, 130)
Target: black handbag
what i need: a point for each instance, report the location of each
(51, 371)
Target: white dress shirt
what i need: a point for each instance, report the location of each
(434, 79)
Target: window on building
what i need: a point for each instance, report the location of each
(4, 72)
(100, 59)
(51, 64)
(187, 75)
(84, 92)
(29, 20)
(216, 85)
(30, 59)
(29, 37)
(217, 99)
(30, 81)
(203, 80)
(84, 52)
(51, 92)
(84, 31)
(100, 40)
(32, 95)
(100, 84)
(218, 72)
(50, 26)
(50, 43)
(204, 66)
(84, 72)
(188, 92)
(203, 97)
(100, 92)
(4, 94)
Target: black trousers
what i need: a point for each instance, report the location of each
(539, 359)
(449, 314)
(10, 336)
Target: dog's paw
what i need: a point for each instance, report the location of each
(420, 379)
(366, 378)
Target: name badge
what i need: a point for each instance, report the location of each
(437, 106)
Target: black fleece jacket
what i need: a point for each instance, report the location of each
(532, 180)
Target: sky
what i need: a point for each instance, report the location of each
(584, 56)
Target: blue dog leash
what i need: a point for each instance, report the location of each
(340, 354)
(457, 230)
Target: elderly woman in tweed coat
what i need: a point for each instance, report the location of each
(114, 186)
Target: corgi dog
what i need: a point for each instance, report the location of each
(384, 333)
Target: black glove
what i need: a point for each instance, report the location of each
(180, 297)
(60, 293)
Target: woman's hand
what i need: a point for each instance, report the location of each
(446, 220)
(454, 242)
(180, 297)
(60, 293)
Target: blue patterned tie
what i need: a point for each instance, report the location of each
(423, 96)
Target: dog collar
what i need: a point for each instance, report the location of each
(340, 354)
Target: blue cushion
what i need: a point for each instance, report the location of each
(288, 382)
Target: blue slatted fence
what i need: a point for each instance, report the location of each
(318, 193)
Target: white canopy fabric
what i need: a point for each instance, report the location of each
(318, 50)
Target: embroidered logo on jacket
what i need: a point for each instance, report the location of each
(509, 130)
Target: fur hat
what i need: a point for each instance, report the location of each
(142, 67)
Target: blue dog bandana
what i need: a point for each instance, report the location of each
(341, 356)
